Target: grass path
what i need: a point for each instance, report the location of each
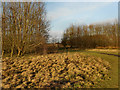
(106, 52)
(113, 60)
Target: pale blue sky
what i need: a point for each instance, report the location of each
(63, 14)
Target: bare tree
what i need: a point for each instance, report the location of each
(92, 36)
(24, 26)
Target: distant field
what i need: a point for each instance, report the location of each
(108, 51)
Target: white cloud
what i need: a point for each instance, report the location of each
(56, 34)
(106, 21)
(60, 12)
(71, 9)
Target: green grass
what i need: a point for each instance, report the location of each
(113, 60)
(107, 52)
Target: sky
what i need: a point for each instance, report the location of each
(63, 14)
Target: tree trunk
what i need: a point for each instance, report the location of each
(2, 53)
(44, 49)
(12, 49)
(19, 51)
(11, 52)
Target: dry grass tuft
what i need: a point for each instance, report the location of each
(54, 70)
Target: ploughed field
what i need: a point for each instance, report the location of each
(66, 70)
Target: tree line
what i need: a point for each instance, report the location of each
(91, 36)
(24, 27)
